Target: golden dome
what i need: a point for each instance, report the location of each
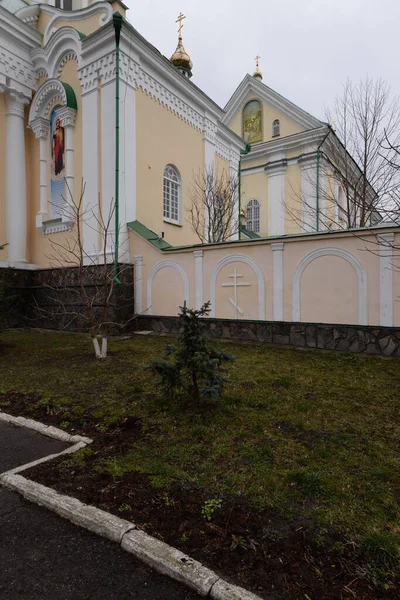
(181, 58)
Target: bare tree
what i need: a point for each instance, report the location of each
(213, 209)
(356, 174)
(86, 285)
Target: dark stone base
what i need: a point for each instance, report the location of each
(346, 338)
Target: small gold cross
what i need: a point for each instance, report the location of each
(179, 20)
(257, 58)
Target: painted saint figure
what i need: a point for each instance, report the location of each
(58, 147)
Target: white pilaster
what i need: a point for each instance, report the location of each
(198, 262)
(277, 251)
(108, 159)
(138, 284)
(386, 279)
(127, 172)
(15, 178)
(209, 145)
(40, 128)
(234, 170)
(276, 197)
(309, 194)
(91, 169)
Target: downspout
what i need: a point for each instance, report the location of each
(318, 165)
(242, 153)
(117, 21)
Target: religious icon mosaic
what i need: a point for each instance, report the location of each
(252, 122)
(57, 181)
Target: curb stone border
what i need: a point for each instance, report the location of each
(156, 554)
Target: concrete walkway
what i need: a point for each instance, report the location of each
(45, 557)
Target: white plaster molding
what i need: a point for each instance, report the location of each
(50, 93)
(138, 260)
(15, 104)
(361, 279)
(64, 45)
(103, 9)
(276, 197)
(386, 279)
(158, 267)
(198, 262)
(260, 281)
(250, 88)
(56, 227)
(223, 150)
(277, 250)
(40, 127)
(67, 116)
(210, 130)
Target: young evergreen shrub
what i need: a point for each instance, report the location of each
(191, 369)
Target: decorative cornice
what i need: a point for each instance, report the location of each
(64, 45)
(290, 142)
(276, 168)
(210, 130)
(69, 55)
(40, 127)
(223, 151)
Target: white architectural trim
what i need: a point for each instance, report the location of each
(40, 128)
(198, 262)
(51, 92)
(156, 268)
(285, 144)
(386, 279)
(276, 197)
(64, 45)
(103, 9)
(138, 288)
(260, 281)
(361, 279)
(277, 252)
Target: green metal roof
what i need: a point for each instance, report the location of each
(250, 234)
(70, 95)
(149, 235)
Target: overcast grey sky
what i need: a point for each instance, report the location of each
(308, 47)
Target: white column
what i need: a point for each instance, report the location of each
(277, 251)
(15, 178)
(91, 169)
(67, 118)
(198, 263)
(276, 197)
(138, 284)
(40, 128)
(386, 279)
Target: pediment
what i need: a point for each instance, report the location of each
(251, 88)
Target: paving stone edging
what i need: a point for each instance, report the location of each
(156, 554)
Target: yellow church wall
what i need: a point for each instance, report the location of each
(162, 139)
(3, 253)
(293, 216)
(256, 186)
(86, 25)
(256, 162)
(44, 20)
(221, 166)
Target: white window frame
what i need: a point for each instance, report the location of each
(169, 181)
(251, 219)
(276, 128)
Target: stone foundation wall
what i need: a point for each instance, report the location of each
(52, 299)
(346, 338)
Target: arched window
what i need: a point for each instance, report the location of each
(253, 216)
(172, 193)
(276, 128)
(252, 122)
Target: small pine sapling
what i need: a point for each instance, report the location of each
(192, 369)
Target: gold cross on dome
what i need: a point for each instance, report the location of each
(257, 58)
(179, 20)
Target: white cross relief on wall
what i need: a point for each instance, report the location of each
(236, 284)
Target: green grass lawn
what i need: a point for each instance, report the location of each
(305, 432)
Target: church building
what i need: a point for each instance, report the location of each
(92, 112)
